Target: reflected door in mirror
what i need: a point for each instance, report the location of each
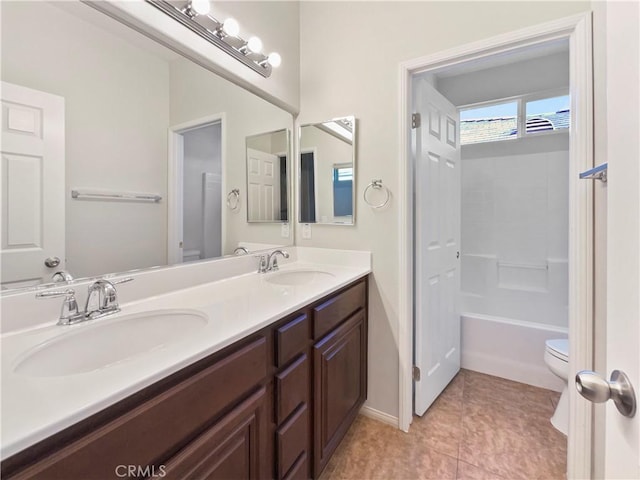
(33, 155)
(267, 178)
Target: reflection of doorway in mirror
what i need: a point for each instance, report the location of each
(308, 186)
(196, 216)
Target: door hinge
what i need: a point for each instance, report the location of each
(415, 120)
(416, 374)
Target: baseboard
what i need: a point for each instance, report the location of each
(380, 416)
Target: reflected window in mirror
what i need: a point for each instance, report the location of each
(343, 192)
(327, 172)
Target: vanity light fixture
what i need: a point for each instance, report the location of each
(194, 14)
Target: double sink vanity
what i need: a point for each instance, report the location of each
(257, 375)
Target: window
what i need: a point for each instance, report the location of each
(547, 114)
(489, 123)
(342, 190)
(502, 120)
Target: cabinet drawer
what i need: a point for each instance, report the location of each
(292, 387)
(291, 339)
(300, 469)
(334, 311)
(292, 439)
(146, 434)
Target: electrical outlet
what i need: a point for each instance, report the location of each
(284, 230)
(306, 231)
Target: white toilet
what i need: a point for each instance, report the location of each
(556, 356)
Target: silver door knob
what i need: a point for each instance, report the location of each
(52, 262)
(619, 389)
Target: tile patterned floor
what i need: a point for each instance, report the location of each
(481, 427)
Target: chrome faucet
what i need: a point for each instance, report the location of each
(272, 262)
(102, 300)
(269, 262)
(240, 251)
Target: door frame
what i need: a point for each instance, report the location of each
(577, 29)
(175, 162)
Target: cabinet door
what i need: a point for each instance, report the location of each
(340, 360)
(231, 449)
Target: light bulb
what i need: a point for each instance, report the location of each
(275, 59)
(254, 44)
(201, 7)
(231, 27)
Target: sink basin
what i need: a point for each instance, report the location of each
(104, 342)
(298, 277)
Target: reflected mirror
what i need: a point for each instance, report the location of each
(120, 154)
(267, 174)
(327, 172)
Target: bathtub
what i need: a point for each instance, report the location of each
(508, 348)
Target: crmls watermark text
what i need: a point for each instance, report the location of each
(135, 471)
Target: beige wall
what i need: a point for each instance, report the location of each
(350, 54)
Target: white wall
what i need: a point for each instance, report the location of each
(202, 154)
(195, 93)
(527, 76)
(515, 229)
(350, 54)
(116, 109)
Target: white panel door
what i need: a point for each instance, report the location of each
(33, 185)
(437, 244)
(263, 186)
(622, 442)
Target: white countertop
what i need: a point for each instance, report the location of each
(34, 408)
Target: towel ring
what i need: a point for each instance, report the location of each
(233, 199)
(377, 184)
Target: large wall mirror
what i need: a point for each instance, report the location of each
(267, 177)
(327, 172)
(119, 154)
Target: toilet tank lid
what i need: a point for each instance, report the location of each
(559, 345)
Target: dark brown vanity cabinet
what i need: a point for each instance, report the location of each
(273, 405)
(340, 373)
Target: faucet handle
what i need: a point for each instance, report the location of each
(121, 280)
(56, 293)
(69, 312)
(263, 262)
